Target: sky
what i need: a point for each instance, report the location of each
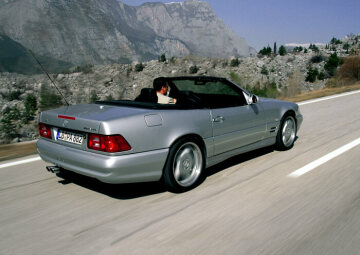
(263, 22)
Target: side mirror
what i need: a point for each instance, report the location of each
(254, 99)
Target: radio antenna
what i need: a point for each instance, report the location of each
(43, 69)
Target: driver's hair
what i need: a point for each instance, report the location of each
(159, 83)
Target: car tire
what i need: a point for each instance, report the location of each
(185, 165)
(287, 133)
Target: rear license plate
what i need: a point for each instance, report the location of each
(69, 137)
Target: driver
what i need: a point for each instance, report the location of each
(161, 87)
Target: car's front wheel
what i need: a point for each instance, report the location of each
(184, 166)
(287, 133)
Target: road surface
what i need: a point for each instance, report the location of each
(250, 204)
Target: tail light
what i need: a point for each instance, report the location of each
(108, 143)
(45, 130)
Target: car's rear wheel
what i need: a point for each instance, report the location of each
(184, 166)
(287, 133)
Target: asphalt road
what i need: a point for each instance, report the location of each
(247, 205)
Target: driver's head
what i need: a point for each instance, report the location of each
(161, 86)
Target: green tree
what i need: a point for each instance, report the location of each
(332, 63)
(266, 51)
(30, 107)
(139, 67)
(235, 62)
(49, 100)
(282, 50)
(264, 70)
(8, 122)
(311, 75)
(162, 58)
(193, 69)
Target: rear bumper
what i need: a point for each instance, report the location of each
(138, 167)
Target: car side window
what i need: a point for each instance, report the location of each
(212, 93)
(222, 95)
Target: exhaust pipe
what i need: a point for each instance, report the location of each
(53, 169)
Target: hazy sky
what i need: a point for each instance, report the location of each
(263, 22)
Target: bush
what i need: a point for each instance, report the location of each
(14, 95)
(193, 69)
(162, 58)
(317, 59)
(264, 70)
(139, 67)
(30, 107)
(351, 68)
(84, 69)
(298, 49)
(235, 62)
(8, 122)
(314, 48)
(321, 76)
(335, 41)
(311, 75)
(331, 64)
(265, 51)
(282, 50)
(49, 100)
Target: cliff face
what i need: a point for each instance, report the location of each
(107, 31)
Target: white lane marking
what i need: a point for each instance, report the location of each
(309, 167)
(20, 162)
(329, 97)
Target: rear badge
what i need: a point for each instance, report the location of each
(90, 129)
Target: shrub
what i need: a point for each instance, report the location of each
(335, 41)
(298, 49)
(346, 46)
(311, 75)
(321, 76)
(317, 59)
(264, 70)
(49, 100)
(30, 108)
(266, 51)
(314, 48)
(139, 67)
(162, 58)
(14, 95)
(193, 69)
(282, 50)
(84, 69)
(235, 62)
(332, 63)
(351, 68)
(8, 122)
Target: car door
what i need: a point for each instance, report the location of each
(235, 127)
(235, 122)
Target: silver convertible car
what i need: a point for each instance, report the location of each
(127, 141)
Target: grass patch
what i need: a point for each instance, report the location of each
(321, 93)
(18, 150)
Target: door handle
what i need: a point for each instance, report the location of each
(219, 119)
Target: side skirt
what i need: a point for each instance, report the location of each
(223, 156)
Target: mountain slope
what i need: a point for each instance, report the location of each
(107, 31)
(15, 58)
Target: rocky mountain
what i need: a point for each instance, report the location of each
(17, 59)
(108, 31)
